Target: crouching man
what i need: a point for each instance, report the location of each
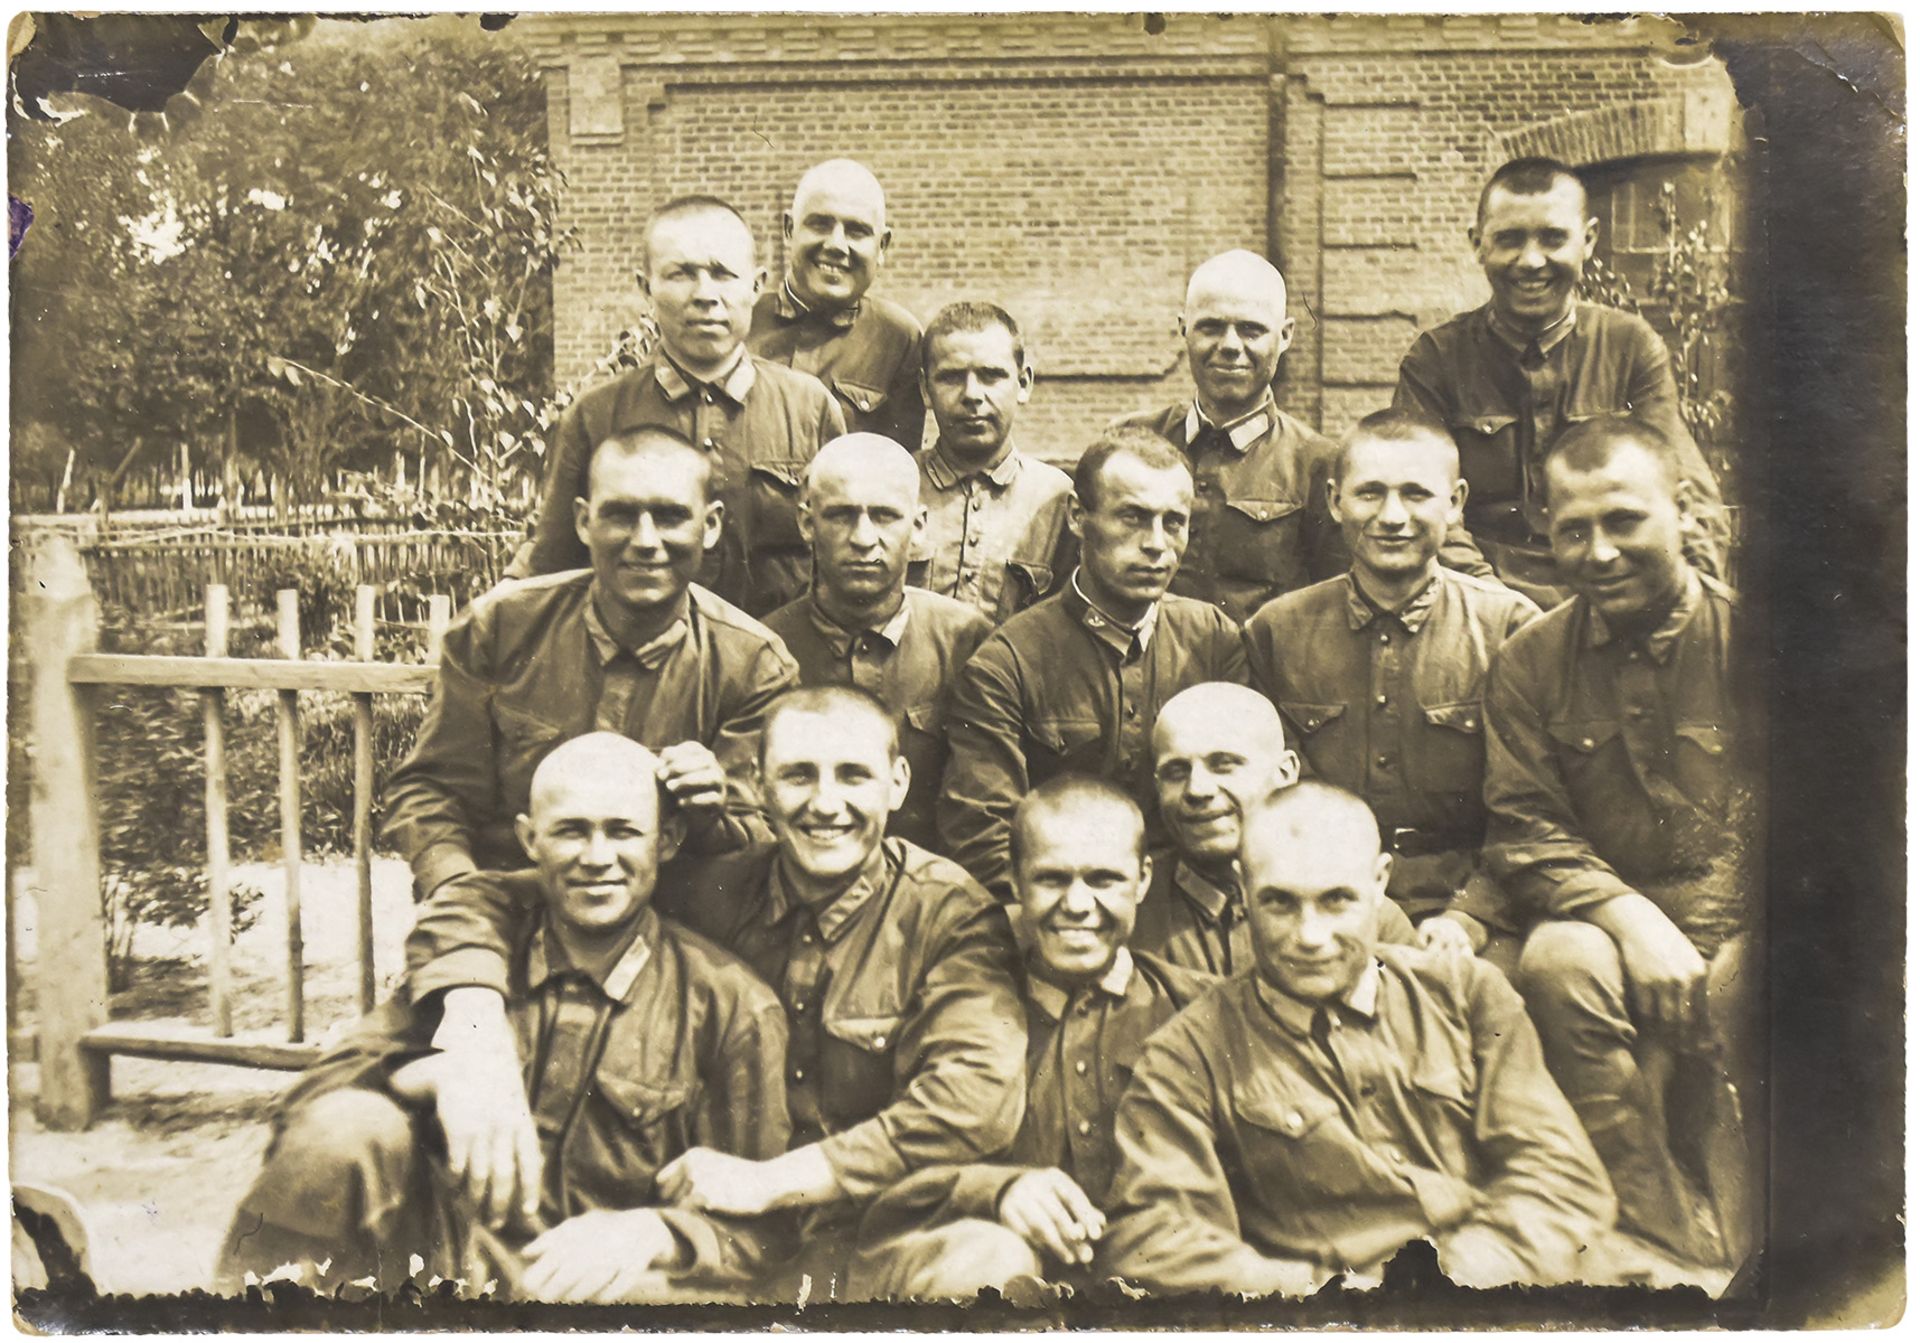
(1080, 867)
(1345, 1098)
(640, 1041)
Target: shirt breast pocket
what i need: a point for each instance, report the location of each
(924, 741)
(774, 498)
(856, 1073)
(1061, 745)
(1589, 751)
(1256, 538)
(1701, 753)
(645, 1125)
(1452, 755)
(862, 398)
(1489, 453)
(1298, 1150)
(1321, 734)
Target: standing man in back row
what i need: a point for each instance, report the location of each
(1509, 377)
(821, 320)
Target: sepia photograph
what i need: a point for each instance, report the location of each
(932, 670)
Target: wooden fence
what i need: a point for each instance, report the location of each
(75, 1039)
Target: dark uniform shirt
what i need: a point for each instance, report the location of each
(868, 355)
(528, 666)
(1611, 765)
(1062, 688)
(1505, 397)
(760, 424)
(909, 662)
(1258, 1126)
(1390, 706)
(677, 1045)
(1081, 1050)
(980, 540)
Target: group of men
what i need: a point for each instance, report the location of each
(1210, 870)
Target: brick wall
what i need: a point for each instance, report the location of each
(1076, 167)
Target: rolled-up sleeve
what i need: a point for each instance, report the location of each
(960, 1066)
(1534, 845)
(986, 767)
(463, 935)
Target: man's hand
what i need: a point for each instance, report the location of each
(1048, 1210)
(1665, 975)
(1454, 934)
(710, 1181)
(692, 776)
(603, 1256)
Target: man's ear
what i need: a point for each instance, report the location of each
(640, 278)
(1146, 872)
(523, 831)
(900, 780)
(713, 524)
(1381, 871)
(1333, 498)
(1288, 325)
(1076, 514)
(1590, 240)
(673, 831)
(1473, 238)
(582, 515)
(759, 280)
(920, 520)
(1287, 773)
(803, 516)
(786, 225)
(886, 241)
(1026, 385)
(1457, 503)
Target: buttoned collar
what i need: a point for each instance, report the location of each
(788, 307)
(734, 384)
(1520, 341)
(840, 639)
(649, 654)
(945, 475)
(1361, 611)
(1242, 432)
(547, 959)
(1213, 899)
(1126, 640)
(1362, 1001)
(1050, 998)
(1659, 644)
(833, 912)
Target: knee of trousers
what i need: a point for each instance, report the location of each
(1571, 978)
(338, 1157)
(961, 1259)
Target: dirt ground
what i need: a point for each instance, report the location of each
(158, 1176)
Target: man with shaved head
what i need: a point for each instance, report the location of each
(630, 645)
(1345, 1098)
(1035, 1210)
(528, 1155)
(821, 320)
(1260, 524)
(756, 421)
(1382, 673)
(862, 625)
(1508, 377)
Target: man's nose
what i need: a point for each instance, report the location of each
(1601, 550)
(864, 533)
(1201, 784)
(1078, 900)
(598, 851)
(1532, 255)
(975, 391)
(1313, 929)
(646, 536)
(836, 239)
(1230, 342)
(1393, 509)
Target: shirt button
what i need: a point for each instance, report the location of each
(1636, 713)
(1383, 760)
(1295, 1122)
(706, 442)
(879, 1042)
(707, 397)
(1385, 638)
(1086, 1127)
(1381, 700)
(1586, 743)
(800, 1004)
(799, 1074)
(1395, 1154)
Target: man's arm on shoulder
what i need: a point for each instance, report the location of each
(986, 766)
(439, 795)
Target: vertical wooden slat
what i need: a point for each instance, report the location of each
(219, 899)
(363, 792)
(62, 620)
(439, 616)
(288, 611)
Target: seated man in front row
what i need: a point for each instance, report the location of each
(1216, 747)
(1080, 866)
(632, 645)
(1345, 1098)
(640, 1041)
(895, 967)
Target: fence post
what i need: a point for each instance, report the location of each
(288, 609)
(71, 975)
(439, 616)
(363, 792)
(219, 896)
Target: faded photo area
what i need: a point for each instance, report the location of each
(951, 671)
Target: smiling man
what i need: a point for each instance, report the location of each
(631, 645)
(1074, 684)
(757, 422)
(1621, 810)
(982, 544)
(1035, 1211)
(1314, 1116)
(821, 320)
(862, 625)
(626, 1041)
(1381, 674)
(1508, 378)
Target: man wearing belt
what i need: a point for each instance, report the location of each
(895, 968)
(1619, 811)
(822, 319)
(757, 421)
(1382, 673)
(1034, 1211)
(1345, 1098)
(625, 1042)
(1509, 377)
(862, 625)
(1074, 684)
(630, 645)
(1216, 748)
(982, 493)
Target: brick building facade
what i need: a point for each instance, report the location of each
(1076, 167)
